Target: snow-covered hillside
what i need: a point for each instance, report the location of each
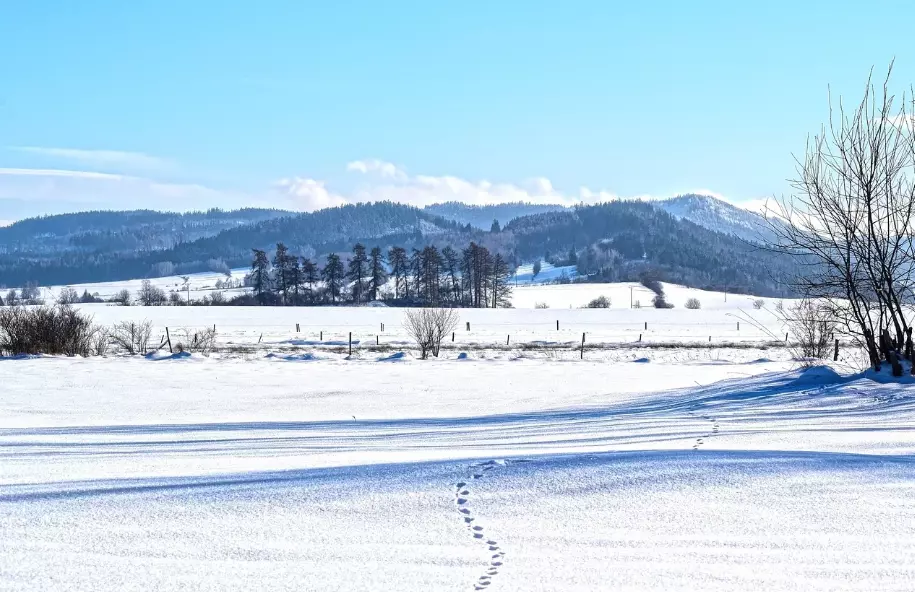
(715, 214)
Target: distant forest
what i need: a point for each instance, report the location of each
(615, 241)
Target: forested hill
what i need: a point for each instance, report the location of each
(616, 241)
(77, 248)
(127, 231)
(482, 217)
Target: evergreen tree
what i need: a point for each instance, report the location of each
(500, 282)
(573, 256)
(377, 275)
(495, 227)
(414, 284)
(451, 267)
(430, 263)
(309, 278)
(260, 275)
(295, 278)
(281, 267)
(357, 272)
(397, 257)
(333, 275)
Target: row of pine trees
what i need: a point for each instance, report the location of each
(472, 277)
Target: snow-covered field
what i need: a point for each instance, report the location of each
(228, 474)
(724, 320)
(509, 463)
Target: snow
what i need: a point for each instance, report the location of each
(201, 284)
(226, 473)
(549, 273)
(723, 321)
(656, 460)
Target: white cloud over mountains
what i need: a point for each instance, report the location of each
(26, 192)
(379, 180)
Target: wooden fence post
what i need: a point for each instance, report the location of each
(582, 346)
(377, 340)
(835, 357)
(297, 328)
(452, 337)
(169, 338)
(640, 337)
(646, 325)
(468, 325)
(350, 343)
(321, 337)
(508, 339)
(557, 324)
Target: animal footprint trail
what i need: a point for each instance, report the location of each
(462, 493)
(714, 431)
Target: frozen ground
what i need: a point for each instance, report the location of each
(227, 474)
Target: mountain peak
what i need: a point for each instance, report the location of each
(716, 214)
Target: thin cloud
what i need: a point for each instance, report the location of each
(62, 173)
(101, 158)
(32, 192)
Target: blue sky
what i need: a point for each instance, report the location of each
(180, 104)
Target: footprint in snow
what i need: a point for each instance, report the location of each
(463, 494)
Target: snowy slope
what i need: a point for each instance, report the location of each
(209, 474)
(715, 214)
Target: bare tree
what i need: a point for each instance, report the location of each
(849, 225)
(429, 326)
(150, 295)
(122, 298)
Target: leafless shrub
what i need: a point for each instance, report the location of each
(201, 341)
(122, 298)
(100, 341)
(599, 302)
(429, 326)
(541, 305)
(52, 330)
(693, 304)
(812, 325)
(132, 337)
(759, 303)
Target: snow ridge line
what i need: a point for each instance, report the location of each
(462, 498)
(714, 431)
